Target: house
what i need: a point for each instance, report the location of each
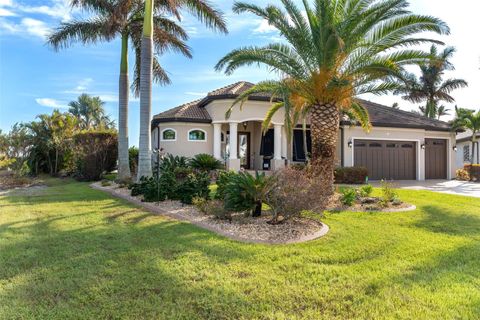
(401, 145)
(464, 146)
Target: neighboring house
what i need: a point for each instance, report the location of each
(464, 149)
(400, 146)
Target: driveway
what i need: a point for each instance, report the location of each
(462, 188)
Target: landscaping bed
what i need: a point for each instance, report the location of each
(239, 227)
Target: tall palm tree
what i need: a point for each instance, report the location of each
(334, 51)
(430, 86)
(90, 112)
(124, 18)
(469, 120)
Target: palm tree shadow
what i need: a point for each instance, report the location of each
(440, 220)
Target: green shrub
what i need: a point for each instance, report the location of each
(205, 162)
(212, 207)
(348, 196)
(171, 162)
(106, 183)
(351, 175)
(245, 192)
(140, 187)
(133, 159)
(365, 191)
(388, 193)
(223, 178)
(194, 185)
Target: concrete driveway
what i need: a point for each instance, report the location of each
(463, 188)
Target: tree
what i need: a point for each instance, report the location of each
(430, 86)
(469, 120)
(334, 51)
(90, 113)
(124, 18)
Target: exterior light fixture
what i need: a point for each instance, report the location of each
(245, 125)
(455, 148)
(422, 146)
(350, 144)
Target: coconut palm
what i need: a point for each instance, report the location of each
(334, 51)
(124, 18)
(468, 120)
(430, 86)
(90, 113)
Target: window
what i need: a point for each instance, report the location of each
(197, 135)
(391, 145)
(407, 145)
(375, 145)
(466, 153)
(169, 135)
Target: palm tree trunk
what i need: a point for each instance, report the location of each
(305, 144)
(325, 121)
(146, 63)
(123, 165)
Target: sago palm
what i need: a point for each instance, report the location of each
(468, 120)
(430, 86)
(335, 50)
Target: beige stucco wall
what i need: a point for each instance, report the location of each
(251, 110)
(416, 135)
(182, 146)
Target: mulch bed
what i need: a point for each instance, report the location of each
(241, 228)
(336, 205)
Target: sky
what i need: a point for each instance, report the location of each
(34, 79)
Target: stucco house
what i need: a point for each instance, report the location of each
(465, 154)
(400, 146)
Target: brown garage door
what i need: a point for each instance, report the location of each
(435, 159)
(391, 160)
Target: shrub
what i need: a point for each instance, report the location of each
(205, 162)
(295, 191)
(224, 177)
(462, 174)
(171, 162)
(348, 196)
(245, 192)
(95, 153)
(212, 207)
(140, 187)
(388, 193)
(133, 159)
(473, 171)
(106, 183)
(351, 175)
(194, 185)
(365, 191)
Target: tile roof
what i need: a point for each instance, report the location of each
(380, 115)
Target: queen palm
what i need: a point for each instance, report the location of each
(430, 87)
(124, 19)
(334, 51)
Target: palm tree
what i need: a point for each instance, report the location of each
(124, 18)
(90, 113)
(335, 50)
(469, 120)
(430, 87)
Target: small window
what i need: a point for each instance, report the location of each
(169, 134)
(438, 143)
(466, 153)
(407, 145)
(375, 145)
(360, 144)
(197, 135)
(391, 145)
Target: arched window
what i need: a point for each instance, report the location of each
(169, 134)
(197, 135)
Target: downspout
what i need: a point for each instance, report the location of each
(342, 147)
(158, 137)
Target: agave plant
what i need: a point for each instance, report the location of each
(247, 193)
(205, 162)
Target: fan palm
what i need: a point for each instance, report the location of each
(335, 50)
(469, 120)
(124, 19)
(430, 87)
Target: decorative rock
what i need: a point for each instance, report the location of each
(368, 200)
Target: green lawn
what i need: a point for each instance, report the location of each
(73, 252)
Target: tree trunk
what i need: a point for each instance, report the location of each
(146, 63)
(325, 121)
(257, 211)
(305, 144)
(123, 164)
(56, 161)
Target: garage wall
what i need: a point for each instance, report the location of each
(183, 147)
(400, 134)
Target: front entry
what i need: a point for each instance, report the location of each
(244, 149)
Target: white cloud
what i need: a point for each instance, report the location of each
(6, 3)
(6, 13)
(264, 27)
(59, 9)
(35, 27)
(51, 103)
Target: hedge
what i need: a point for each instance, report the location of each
(351, 175)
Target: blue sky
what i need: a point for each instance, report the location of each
(34, 79)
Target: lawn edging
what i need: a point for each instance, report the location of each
(152, 207)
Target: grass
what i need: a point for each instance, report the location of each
(72, 252)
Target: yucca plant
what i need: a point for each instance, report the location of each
(205, 162)
(247, 193)
(334, 51)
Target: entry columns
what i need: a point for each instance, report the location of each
(233, 161)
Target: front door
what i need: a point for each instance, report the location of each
(435, 159)
(244, 149)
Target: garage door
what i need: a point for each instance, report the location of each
(435, 159)
(391, 160)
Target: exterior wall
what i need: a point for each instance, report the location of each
(251, 110)
(183, 147)
(415, 135)
(459, 161)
